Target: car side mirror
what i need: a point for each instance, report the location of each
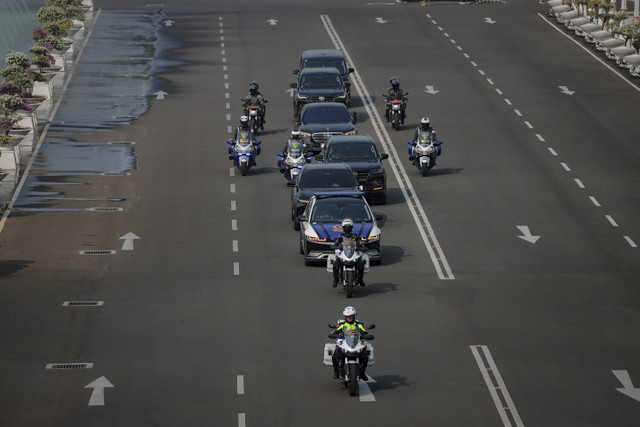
(294, 85)
(296, 71)
(350, 70)
(347, 84)
(371, 326)
(384, 156)
(354, 119)
(265, 100)
(332, 326)
(302, 218)
(361, 187)
(334, 336)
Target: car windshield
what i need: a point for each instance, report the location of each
(351, 151)
(334, 178)
(338, 114)
(331, 210)
(320, 80)
(336, 63)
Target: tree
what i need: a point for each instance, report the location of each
(601, 10)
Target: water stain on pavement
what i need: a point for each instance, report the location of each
(111, 86)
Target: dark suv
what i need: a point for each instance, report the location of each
(362, 155)
(317, 178)
(318, 85)
(321, 120)
(328, 58)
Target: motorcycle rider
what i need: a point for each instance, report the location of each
(295, 137)
(425, 126)
(349, 323)
(348, 234)
(244, 127)
(255, 99)
(395, 93)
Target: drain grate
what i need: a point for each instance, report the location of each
(98, 252)
(122, 142)
(105, 209)
(82, 303)
(115, 174)
(70, 366)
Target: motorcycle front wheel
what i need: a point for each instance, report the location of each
(353, 379)
(395, 121)
(350, 280)
(243, 169)
(424, 168)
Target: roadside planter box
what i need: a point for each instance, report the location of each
(10, 155)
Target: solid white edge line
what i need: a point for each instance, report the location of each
(611, 220)
(34, 154)
(374, 116)
(503, 387)
(240, 384)
(594, 201)
(590, 53)
(631, 242)
(489, 383)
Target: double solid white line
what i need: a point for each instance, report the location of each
(422, 222)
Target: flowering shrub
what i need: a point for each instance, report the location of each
(17, 76)
(39, 34)
(41, 61)
(52, 40)
(49, 14)
(9, 89)
(7, 123)
(39, 50)
(5, 140)
(26, 107)
(9, 104)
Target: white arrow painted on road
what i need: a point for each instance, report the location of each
(169, 23)
(366, 395)
(97, 395)
(381, 20)
(291, 91)
(431, 90)
(128, 241)
(489, 21)
(272, 21)
(160, 94)
(566, 90)
(627, 386)
(524, 229)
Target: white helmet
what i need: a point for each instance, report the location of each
(425, 121)
(347, 226)
(244, 119)
(295, 134)
(349, 311)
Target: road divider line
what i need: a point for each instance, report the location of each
(242, 421)
(518, 113)
(594, 201)
(232, 188)
(565, 166)
(553, 152)
(364, 391)
(240, 384)
(631, 242)
(611, 220)
(529, 125)
(499, 91)
(508, 102)
(497, 388)
(415, 206)
(540, 137)
(234, 245)
(580, 184)
(234, 225)
(234, 205)
(236, 268)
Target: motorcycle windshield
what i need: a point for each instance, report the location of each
(425, 138)
(349, 248)
(352, 338)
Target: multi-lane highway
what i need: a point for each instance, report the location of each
(208, 316)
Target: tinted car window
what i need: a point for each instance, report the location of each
(331, 210)
(336, 63)
(320, 80)
(326, 115)
(333, 178)
(349, 151)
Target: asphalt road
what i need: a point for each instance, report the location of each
(192, 332)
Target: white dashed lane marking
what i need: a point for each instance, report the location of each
(594, 201)
(566, 167)
(611, 220)
(234, 225)
(580, 184)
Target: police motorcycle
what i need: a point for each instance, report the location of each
(255, 118)
(424, 150)
(352, 345)
(244, 150)
(349, 254)
(393, 111)
(293, 159)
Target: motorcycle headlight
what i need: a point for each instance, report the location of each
(243, 148)
(293, 162)
(424, 149)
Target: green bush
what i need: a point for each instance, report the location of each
(9, 104)
(53, 41)
(18, 77)
(16, 59)
(49, 14)
(41, 61)
(55, 29)
(63, 3)
(38, 50)
(5, 140)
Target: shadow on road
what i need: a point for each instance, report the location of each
(388, 382)
(392, 254)
(9, 267)
(375, 288)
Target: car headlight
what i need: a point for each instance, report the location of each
(372, 238)
(316, 239)
(376, 170)
(305, 135)
(303, 201)
(341, 97)
(351, 132)
(302, 96)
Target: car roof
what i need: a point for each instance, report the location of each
(326, 166)
(319, 70)
(329, 53)
(358, 139)
(325, 105)
(358, 195)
